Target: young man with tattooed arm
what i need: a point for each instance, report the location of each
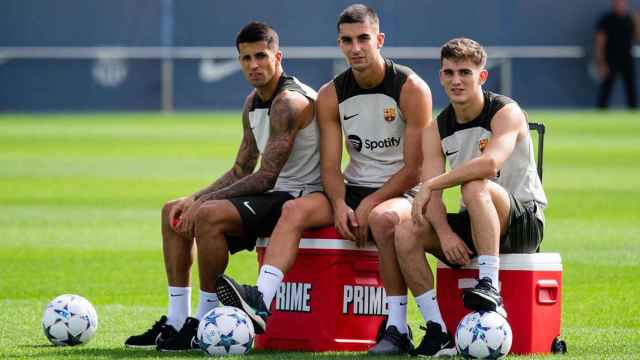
(279, 126)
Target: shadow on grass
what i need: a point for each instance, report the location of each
(50, 351)
(113, 353)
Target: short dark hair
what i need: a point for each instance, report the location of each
(460, 49)
(258, 31)
(357, 13)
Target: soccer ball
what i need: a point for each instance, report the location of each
(225, 330)
(69, 320)
(483, 335)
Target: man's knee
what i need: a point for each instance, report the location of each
(209, 217)
(166, 210)
(294, 213)
(474, 191)
(383, 224)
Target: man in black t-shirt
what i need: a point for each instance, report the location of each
(615, 33)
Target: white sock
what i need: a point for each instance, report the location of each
(397, 312)
(269, 281)
(489, 266)
(429, 308)
(179, 306)
(207, 301)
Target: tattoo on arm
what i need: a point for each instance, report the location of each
(245, 162)
(286, 120)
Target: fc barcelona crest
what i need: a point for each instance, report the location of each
(483, 144)
(390, 114)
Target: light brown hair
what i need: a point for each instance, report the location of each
(462, 49)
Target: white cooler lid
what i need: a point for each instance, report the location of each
(530, 262)
(327, 244)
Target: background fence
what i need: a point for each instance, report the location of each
(166, 54)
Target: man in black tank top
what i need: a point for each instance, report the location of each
(485, 139)
(228, 215)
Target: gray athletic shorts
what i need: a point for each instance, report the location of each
(524, 230)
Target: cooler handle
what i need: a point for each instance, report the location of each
(547, 291)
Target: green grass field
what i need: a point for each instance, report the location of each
(80, 199)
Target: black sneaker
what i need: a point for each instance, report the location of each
(435, 342)
(244, 297)
(483, 297)
(392, 343)
(183, 340)
(148, 339)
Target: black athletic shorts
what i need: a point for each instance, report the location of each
(354, 194)
(259, 214)
(524, 230)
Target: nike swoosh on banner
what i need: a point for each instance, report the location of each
(349, 117)
(211, 71)
(246, 204)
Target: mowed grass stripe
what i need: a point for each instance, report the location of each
(81, 195)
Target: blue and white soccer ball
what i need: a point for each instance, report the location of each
(69, 320)
(225, 330)
(483, 335)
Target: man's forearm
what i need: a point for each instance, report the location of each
(437, 215)
(599, 47)
(398, 184)
(334, 187)
(256, 183)
(225, 180)
(480, 168)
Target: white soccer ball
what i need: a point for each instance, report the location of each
(69, 320)
(225, 330)
(483, 335)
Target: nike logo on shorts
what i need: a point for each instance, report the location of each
(349, 117)
(451, 153)
(246, 204)
(174, 295)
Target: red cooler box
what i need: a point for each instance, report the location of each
(531, 286)
(331, 300)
